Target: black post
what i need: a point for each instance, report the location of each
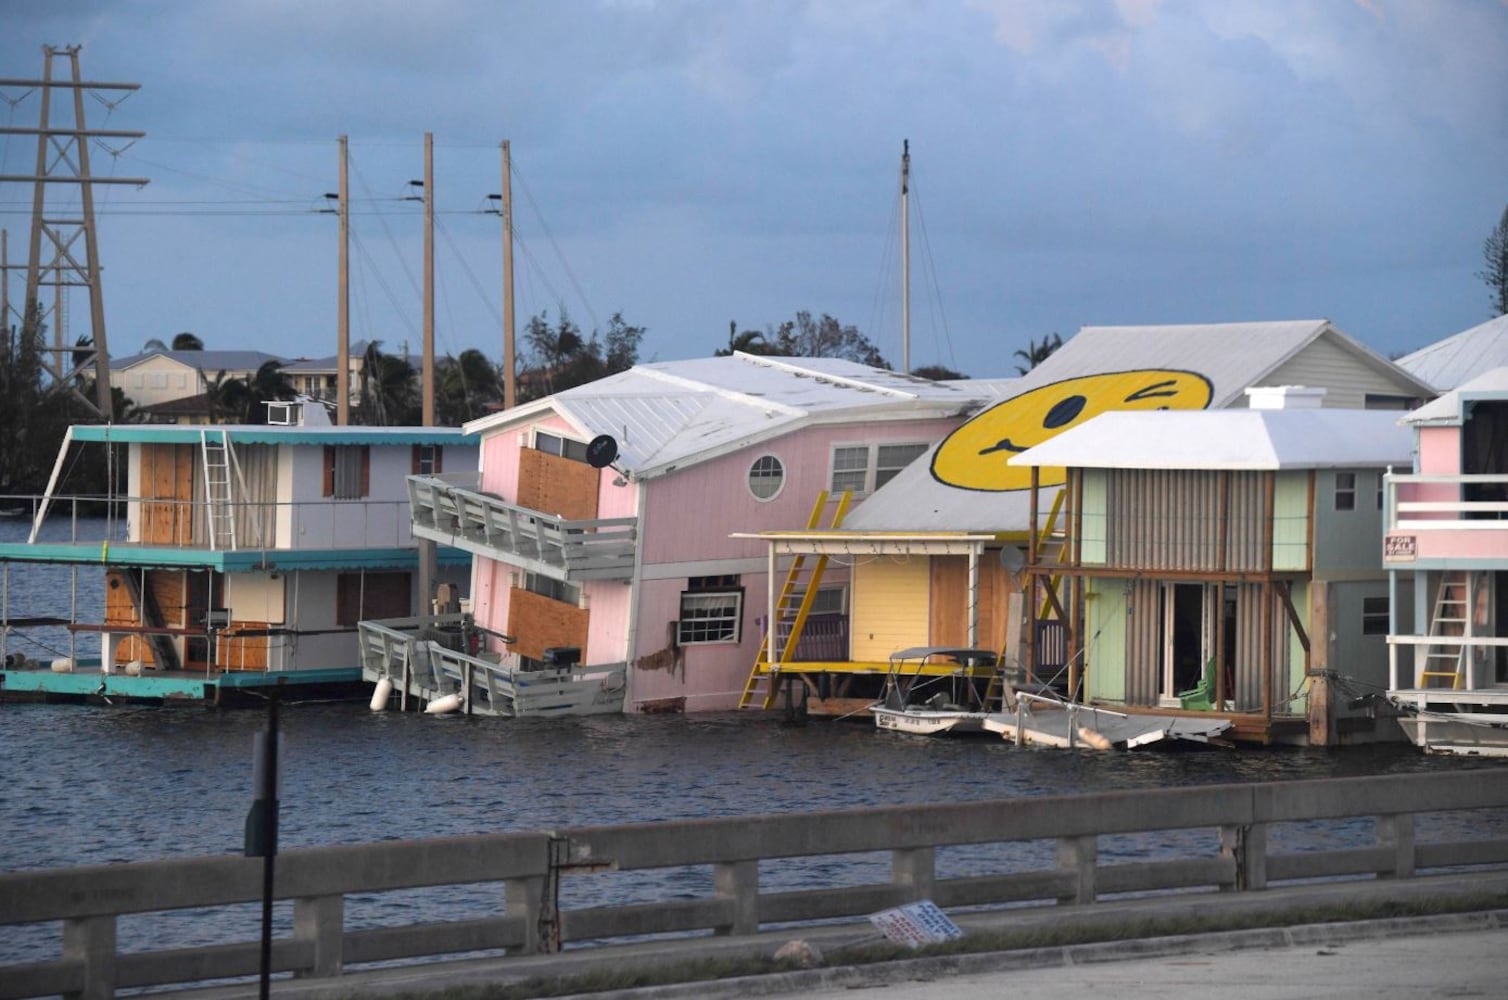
(262, 827)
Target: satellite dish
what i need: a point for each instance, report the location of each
(1012, 558)
(601, 451)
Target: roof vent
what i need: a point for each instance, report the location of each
(1285, 397)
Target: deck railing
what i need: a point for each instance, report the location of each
(487, 525)
(1453, 503)
(271, 526)
(1239, 855)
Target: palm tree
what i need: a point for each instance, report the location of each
(1034, 353)
(388, 396)
(464, 386)
(187, 342)
(747, 342)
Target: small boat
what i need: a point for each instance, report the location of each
(928, 703)
(1043, 720)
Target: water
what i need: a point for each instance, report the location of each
(93, 785)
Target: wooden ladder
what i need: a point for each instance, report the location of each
(1050, 545)
(792, 606)
(1444, 662)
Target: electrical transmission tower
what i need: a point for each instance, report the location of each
(63, 158)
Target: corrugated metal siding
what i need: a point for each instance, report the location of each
(1143, 644)
(1170, 520)
(890, 607)
(1346, 378)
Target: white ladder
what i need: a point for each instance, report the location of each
(219, 511)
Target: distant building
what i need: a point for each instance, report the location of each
(1448, 363)
(157, 377)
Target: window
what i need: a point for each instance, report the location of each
(1374, 616)
(1345, 491)
(711, 610)
(766, 476)
(554, 444)
(828, 601)
(865, 468)
(555, 590)
(850, 469)
(348, 471)
(892, 458)
(370, 596)
(427, 460)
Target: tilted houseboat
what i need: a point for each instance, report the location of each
(244, 559)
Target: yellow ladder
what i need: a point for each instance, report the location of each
(1446, 662)
(793, 603)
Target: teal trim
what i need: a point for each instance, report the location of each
(242, 434)
(184, 686)
(240, 561)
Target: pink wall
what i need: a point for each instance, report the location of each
(1440, 451)
(689, 515)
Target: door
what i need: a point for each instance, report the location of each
(1183, 636)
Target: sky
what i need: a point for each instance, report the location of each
(691, 164)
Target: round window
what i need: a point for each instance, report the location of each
(766, 476)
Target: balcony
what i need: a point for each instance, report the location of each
(449, 509)
(1443, 522)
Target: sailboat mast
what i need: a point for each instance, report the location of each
(905, 256)
(505, 209)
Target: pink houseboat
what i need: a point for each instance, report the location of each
(1446, 551)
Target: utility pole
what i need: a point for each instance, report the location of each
(63, 158)
(429, 280)
(343, 333)
(506, 210)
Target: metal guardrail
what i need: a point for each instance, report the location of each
(532, 865)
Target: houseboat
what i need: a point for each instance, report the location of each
(242, 560)
(936, 556)
(1224, 564)
(1446, 552)
(611, 519)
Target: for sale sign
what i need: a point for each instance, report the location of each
(916, 924)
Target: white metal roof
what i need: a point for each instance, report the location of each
(1449, 363)
(668, 415)
(1449, 408)
(1230, 357)
(1229, 439)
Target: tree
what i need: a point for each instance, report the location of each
(937, 373)
(1034, 353)
(186, 341)
(389, 390)
(1495, 269)
(805, 337)
(155, 344)
(558, 357)
(747, 342)
(464, 386)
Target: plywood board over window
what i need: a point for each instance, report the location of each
(950, 602)
(554, 485)
(537, 622)
(167, 475)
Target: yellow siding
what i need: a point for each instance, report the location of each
(890, 607)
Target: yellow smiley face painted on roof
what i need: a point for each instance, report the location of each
(974, 456)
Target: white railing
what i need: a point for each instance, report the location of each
(1435, 502)
(284, 525)
(487, 525)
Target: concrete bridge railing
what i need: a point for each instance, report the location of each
(531, 866)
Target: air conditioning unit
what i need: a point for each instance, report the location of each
(282, 414)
